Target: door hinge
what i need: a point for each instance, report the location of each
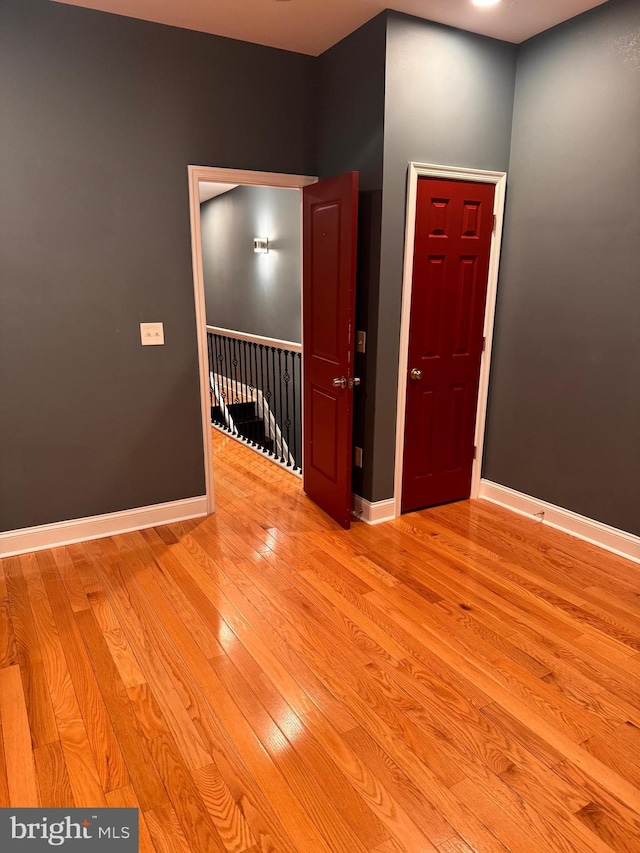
(484, 344)
(475, 452)
(495, 223)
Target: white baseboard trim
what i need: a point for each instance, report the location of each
(98, 526)
(374, 513)
(610, 538)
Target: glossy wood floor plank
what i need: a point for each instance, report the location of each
(165, 831)
(311, 797)
(56, 671)
(461, 680)
(84, 777)
(144, 779)
(53, 778)
(4, 784)
(533, 575)
(192, 814)
(133, 612)
(229, 820)
(19, 759)
(8, 653)
(106, 750)
(125, 798)
(202, 729)
(36, 693)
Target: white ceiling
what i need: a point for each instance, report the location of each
(312, 26)
(209, 189)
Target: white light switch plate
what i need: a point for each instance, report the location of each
(152, 334)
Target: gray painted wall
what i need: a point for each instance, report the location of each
(350, 90)
(100, 116)
(564, 413)
(449, 101)
(248, 292)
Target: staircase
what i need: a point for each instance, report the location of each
(248, 423)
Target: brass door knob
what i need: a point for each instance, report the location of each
(339, 383)
(416, 374)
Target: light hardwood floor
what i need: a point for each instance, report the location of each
(459, 680)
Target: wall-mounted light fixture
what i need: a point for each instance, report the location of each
(485, 2)
(261, 245)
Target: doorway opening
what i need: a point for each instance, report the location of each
(253, 296)
(329, 211)
(452, 250)
(249, 383)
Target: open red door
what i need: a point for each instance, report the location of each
(329, 234)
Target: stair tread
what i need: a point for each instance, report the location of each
(254, 420)
(247, 404)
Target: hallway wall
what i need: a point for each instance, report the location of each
(245, 291)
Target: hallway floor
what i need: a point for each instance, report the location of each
(461, 679)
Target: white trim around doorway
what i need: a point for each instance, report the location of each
(499, 179)
(239, 177)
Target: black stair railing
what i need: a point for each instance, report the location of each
(256, 393)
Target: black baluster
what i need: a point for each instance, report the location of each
(249, 371)
(246, 369)
(220, 373)
(210, 361)
(287, 421)
(274, 408)
(217, 374)
(294, 406)
(214, 346)
(254, 367)
(281, 410)
(228, 387)
(242, 369)
(266, 387)
(242, 347)
(212, 370)
(267, 394)
(299, 410)
(238, 396)
(234, 364)
(277, 396)
(231, 393)
(267, 402)
(257, 354)
(260, 351)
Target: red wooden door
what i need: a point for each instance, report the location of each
(454, 224)
(330, 210)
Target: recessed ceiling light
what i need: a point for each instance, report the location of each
(485, 2)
